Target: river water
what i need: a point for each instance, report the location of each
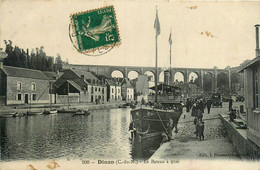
(102, 135)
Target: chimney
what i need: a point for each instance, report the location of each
(82, 77)
(167, 77)
(257, 50)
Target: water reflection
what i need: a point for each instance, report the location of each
(101, 135)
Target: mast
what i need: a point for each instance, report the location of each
(68, 96)
(170, 42)
(157, 32)
(156, 58)
(51, 96)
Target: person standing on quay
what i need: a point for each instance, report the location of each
(201, 130)
(194, 110)
(198, 128)
(209, 103)
(200, 114)
(230, 103)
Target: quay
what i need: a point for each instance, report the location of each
(41, 107)
(222, 139)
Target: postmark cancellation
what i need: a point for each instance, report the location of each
(95, 30)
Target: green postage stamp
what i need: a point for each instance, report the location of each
(95, 30)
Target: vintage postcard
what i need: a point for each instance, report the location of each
(93, 84)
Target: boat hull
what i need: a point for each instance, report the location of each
(151, 123)
(50, 112)
(82, 113)
(67, 110)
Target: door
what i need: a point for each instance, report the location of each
(26, 98)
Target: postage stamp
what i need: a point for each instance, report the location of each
(95, 30)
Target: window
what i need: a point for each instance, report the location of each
(33, 97)
(255, 87)
(112, 90)
(19, 96)
(33, 86)
(19, 86)
(118, 90)
(99, 89)
(103, 90)
(92, 90)
(95, 89)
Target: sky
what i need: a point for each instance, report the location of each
(204, 34)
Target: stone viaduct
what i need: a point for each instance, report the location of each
(107, 70)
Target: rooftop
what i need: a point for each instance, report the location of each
(85, 73)
(249, 64)
(24, 72)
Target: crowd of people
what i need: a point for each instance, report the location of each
(197, 107)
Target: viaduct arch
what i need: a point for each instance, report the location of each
(108, 69)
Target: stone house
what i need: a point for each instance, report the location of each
(252, 99)
(127, 90)
(252, 90)
(77, 85)
(113, 90)
(23, 86)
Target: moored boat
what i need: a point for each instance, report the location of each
(153, 121)
(81, 112)
(5, 115)
(69, 110)
(30, 113)
(51, 111)
(165, 106)
(16, 114)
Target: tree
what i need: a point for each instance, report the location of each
(50, 63)
(58, 63)
(38, 60)
(9, 50)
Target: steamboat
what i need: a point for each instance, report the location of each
(152, 120)
(165, 106)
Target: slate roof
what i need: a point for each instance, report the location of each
(51, 75)
(126, 82)
(67, 76)
(110, 82)
(74, 84)
(23, 72)
(87, 74)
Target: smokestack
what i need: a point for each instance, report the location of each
(167, 77)
(257, 50)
